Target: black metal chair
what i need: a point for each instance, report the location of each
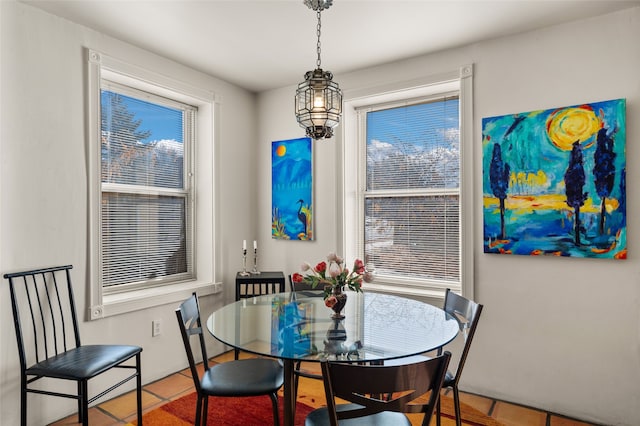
(238, 378)
(305, 289)
(49, 342)
(307, 370)
(361, 385)
(467, 313)
(257, 285)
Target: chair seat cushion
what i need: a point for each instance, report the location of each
(245, 377)
(83, 362)
(319, 417)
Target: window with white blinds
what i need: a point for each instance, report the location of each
(146, 217)
(412, 193)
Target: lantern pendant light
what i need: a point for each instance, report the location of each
(318, 101)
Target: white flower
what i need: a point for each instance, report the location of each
(334, 270)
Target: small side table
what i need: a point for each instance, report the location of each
(259, 284)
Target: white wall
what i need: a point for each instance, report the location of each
(43, 186)
(557, 333)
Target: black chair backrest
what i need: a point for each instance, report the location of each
(365, 384)
(302, 287)
(44, 313)
(467, 313)
(188, 315)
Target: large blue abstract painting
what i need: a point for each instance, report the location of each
(292, 190)
(554, 182)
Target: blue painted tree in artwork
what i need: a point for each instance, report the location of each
(622, 202)
(604, 171)
(499, 177)
(574, 183)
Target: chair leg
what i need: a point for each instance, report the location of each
(274, 403)
(198, 412)
(456, 405)
(80, 406)
(139, 389)
(85, 403)
(296, 380)
(438, 409)
(205, 411)
(23, 401)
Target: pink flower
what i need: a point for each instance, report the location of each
(305, 266)
(358, 267)
(330, 301)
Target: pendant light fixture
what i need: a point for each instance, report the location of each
(318, 101)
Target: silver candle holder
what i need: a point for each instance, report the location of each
(255, 262)
(244, 272)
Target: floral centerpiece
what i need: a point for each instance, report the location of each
(333, 276)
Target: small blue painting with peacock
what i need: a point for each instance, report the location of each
(555, 181)
(291, 190)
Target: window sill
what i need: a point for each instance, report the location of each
(116, 304)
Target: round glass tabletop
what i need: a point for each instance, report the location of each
(299, 326)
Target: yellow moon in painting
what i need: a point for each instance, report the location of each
(281, 150)
(568, 125)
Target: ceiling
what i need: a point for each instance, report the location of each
(266, 44)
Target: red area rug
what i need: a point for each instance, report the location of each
(250, 411)
(256, 411)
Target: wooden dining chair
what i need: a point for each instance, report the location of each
(46, 326)
(238, 378)
(361, 386)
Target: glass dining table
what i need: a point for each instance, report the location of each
(299, 327)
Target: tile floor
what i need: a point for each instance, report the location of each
(121, 410)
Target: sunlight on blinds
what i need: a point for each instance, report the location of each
(412, 211)
(146, 224)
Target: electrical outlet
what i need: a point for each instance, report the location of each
(156, 328)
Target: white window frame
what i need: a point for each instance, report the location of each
(206, 250)
(185, 193)
(354, 178)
